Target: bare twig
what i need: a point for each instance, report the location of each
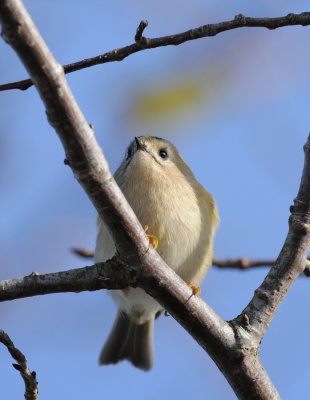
(29, 377)
(221, 263)
(142, 43)
(83, 252)
(138, 37)
(242, 263)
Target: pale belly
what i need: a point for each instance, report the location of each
(184, 242)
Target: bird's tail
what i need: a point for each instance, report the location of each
(129, 341)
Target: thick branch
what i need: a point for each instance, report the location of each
(143, 43)
(90, 168)
(29, 377)
(233, 346)
(112, 274)
(212, 333)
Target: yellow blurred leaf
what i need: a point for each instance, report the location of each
(164, 101)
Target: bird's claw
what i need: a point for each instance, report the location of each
(152, 238)
(196, 290)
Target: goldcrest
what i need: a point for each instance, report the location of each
(181, 215)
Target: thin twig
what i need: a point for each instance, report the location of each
(242, 263)
(83, 252)
(29, 377)
(142, 43)
(222, 263)
(138, 37)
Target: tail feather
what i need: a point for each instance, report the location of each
(129, 341)
(115, 346)
(140, 345)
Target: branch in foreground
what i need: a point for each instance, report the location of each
(234, 345)
(143, 43)
(91, 170)
(29, 377)
(112, 274)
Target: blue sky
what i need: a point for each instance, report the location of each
(242, 134)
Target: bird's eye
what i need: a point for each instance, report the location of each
(163, 153)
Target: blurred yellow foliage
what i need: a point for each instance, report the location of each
(166, 100)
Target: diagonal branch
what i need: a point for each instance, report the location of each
(290, 263)
(90, 168)
(234, 345)
(143, 43)
(29, 377)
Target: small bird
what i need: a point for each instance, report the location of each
(181, 217)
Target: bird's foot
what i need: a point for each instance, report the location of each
(196, 290)
(152, 238)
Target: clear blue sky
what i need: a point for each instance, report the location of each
(242, 133)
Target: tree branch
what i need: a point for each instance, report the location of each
(143, 43)
(86, 160)
(29, 377)
(242, 263)
(112, 274)
(290, 263)
(232, 263)
(235, 263)
(232, 345)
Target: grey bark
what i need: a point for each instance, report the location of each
(233, 345)
(29, 377)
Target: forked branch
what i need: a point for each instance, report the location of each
(29, 377)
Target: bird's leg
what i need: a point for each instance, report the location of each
(153, 239)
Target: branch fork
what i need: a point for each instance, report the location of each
(29, 377)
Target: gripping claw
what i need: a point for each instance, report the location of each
(196, 290)
(153, 239)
